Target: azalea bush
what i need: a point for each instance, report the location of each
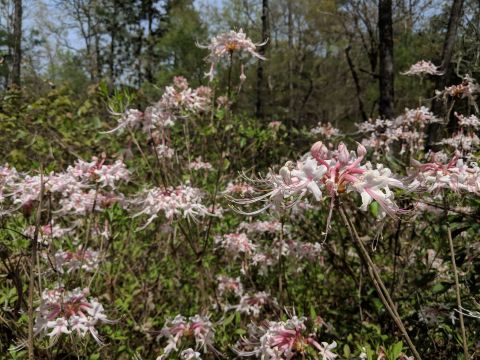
(184, 229)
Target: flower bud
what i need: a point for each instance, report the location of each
(343, 155)
(285, 174)
(361, 150)
(318, 150)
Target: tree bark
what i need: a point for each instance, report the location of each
(448, 46)
(356, 80)
(446, 67)
(386, 79)
(111, 59)
(259, 106)
(17, 43)
(290, 59)
(150, 43)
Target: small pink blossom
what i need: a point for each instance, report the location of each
(423, 67)
(225, 44)
(272, 226)
(181, 201)
(236, 244)
(87, 260)
(165, 152)
(199, 328)
(274, 125)
(252, 304)
(282, 340)
(326, 130)
(454, 175)
(229, 285)
(131, 118)
(198, 164)
(69, 312)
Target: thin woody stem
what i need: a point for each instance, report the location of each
(31, 285)
(455, 274)
(457, 292)
(378, 283)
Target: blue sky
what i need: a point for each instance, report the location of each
(34, 8)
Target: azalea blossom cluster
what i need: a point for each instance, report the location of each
(69, 261)
(325, 130)
(69, 312)
(423, 67)
(268, 226)
(468, 89)
(407, 130)
(8, 176)
(282, 340)
(465, 140)
(471, 122)
(229, 285)
(178, 100)
(181, 201)
(165, 152)
(197, 328)
(199, 164)
(332, 173)
(262, 243)
(46, 233)
(236, 244)
(83, 187)
(453, 175)
(190, 354)
(225, 44)
(253, 303)
(97, 171)
(302, 252)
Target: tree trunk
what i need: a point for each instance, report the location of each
(111, 60)
(150, 44)
(448, 46)
(356, 80)
(260, 75)
(17, 43)
(290, 59)
(113, 40)
(386, 79)
(97, 56)
(446, 67)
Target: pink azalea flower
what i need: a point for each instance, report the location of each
(199, 328)
(332, 173)
(282, 340)
(225, 44)
(423, 67)
(68, 312)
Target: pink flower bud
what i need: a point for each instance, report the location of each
(343, 155)
(318, 150)
(361, 150)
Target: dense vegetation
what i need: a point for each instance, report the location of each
(174, 189)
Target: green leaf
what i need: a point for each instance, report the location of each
(374, 208)
(395, 350)
(229, 319)
(438, 288)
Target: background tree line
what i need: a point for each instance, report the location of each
(328, 60)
